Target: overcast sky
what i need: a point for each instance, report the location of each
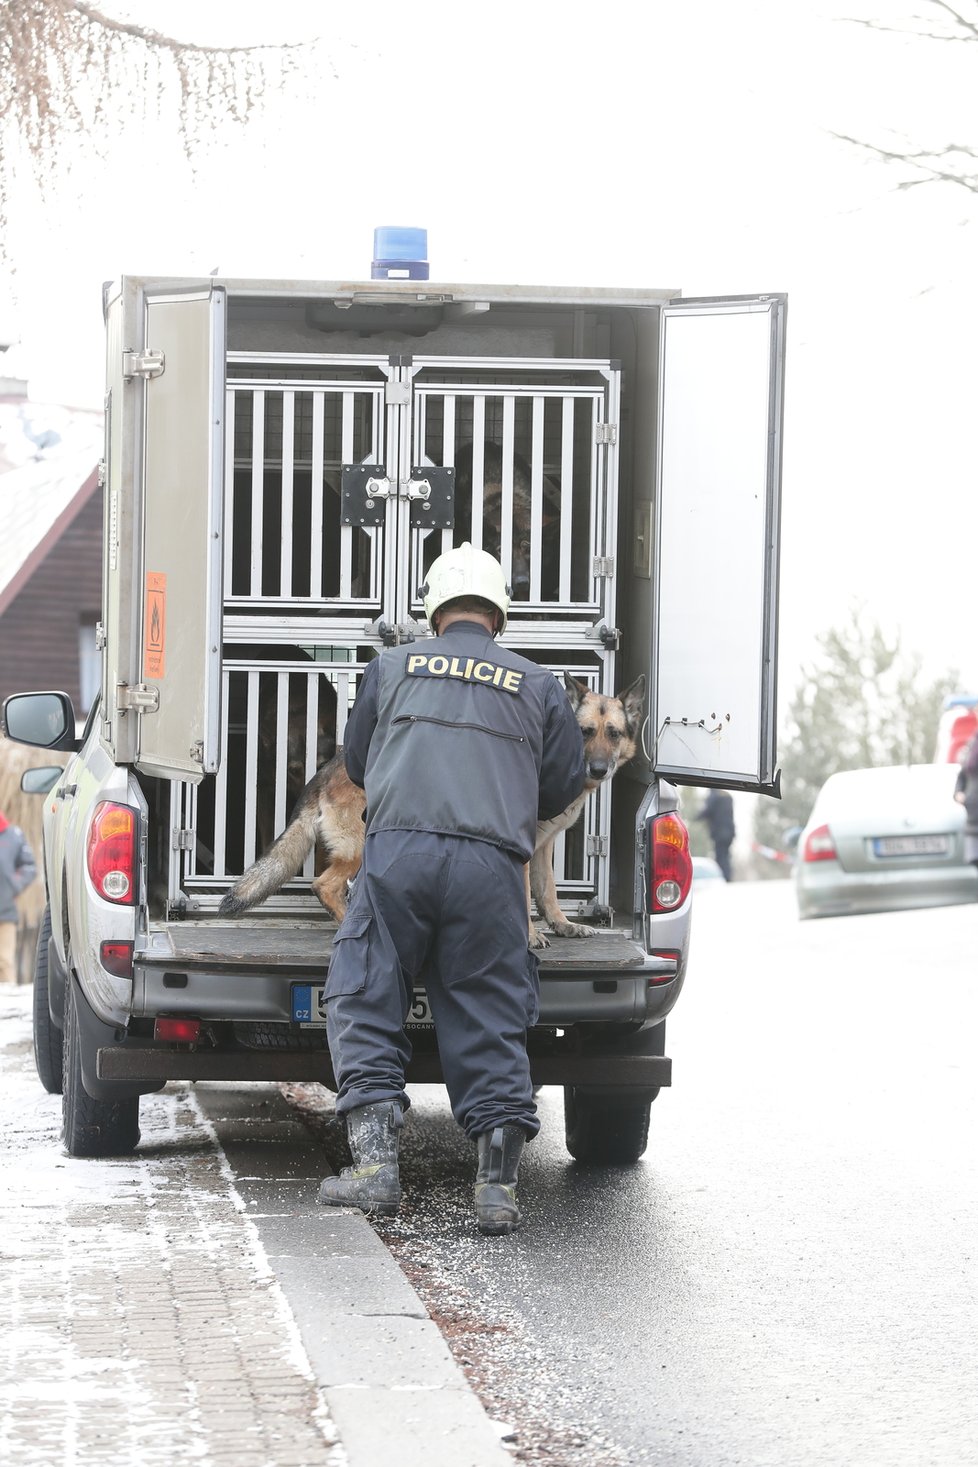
(680, 145)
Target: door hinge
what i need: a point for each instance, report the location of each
(183, 840)
(137, 699)
(397, 394)
(603, 566)
(606, 433)
(142, 364)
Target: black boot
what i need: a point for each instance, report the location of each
(495, 1184)
(372, 1183)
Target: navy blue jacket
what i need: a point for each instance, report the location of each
(460, 736)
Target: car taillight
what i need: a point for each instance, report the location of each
(670, 864)
(819, 845)
(111, 852)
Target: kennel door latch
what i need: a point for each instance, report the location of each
(431, 494)
(364, 491)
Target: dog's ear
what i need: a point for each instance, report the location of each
(632, 699)
(576, 690)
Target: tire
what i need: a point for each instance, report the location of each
(611, 1130)
(48, 1038)
(91, 1127)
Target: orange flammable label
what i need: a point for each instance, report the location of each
(154, 640)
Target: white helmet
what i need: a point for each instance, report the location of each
(465, 571)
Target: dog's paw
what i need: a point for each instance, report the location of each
(575, 929)
(538, 939)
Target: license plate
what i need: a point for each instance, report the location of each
(911, 845)
(309, 1007)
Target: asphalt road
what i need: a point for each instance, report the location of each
(788, 1277)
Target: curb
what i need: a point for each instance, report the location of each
(385, 1371)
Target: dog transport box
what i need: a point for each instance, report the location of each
(308, 450)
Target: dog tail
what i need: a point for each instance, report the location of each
(283, 860)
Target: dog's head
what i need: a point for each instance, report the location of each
(610, 726)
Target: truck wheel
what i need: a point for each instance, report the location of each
(91, 1127)
(48, 1039)
(607, 1129)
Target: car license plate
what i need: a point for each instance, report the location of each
(911, 845)
(309, 1007)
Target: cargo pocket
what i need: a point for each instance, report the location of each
(351, 951)
(533, 988)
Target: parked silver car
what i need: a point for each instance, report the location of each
(882, 839)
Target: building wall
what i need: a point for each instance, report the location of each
(39, 632)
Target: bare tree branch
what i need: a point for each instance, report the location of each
(68, 70)
(954, 163)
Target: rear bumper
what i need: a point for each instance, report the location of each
(595, 994)
(825, 890)
(142, 1064)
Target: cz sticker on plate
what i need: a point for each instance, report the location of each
(309, 1007)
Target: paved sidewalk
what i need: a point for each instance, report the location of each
(144, 1315)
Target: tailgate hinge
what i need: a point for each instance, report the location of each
(597, 845)
(137, 699)
(397, 394)
(602, 567)
(183, 840)
(146, 364)
(606, 433)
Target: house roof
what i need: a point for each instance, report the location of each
(48, 471)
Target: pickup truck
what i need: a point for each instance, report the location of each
(283, 460)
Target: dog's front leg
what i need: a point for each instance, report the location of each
(544, 889)
(536, 938)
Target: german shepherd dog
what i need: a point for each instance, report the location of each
(329, 814)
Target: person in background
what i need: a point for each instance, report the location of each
(966, 794)
(17, 870)
(718, 813)
(461, 745)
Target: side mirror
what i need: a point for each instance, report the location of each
(46, 720)
(40, 781)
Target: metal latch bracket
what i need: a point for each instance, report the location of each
(431, 492)
(137, 699)
(146, 364)
(364, 490)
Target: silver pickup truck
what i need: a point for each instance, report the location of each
(283, 460)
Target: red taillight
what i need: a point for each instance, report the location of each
(670, 865)
(112, 852)
(819, 845)
(177, 1031)
(116, 958)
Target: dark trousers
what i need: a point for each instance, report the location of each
(721, 849)
(449, 915)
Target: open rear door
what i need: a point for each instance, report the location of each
(718, 479)
(164, 528)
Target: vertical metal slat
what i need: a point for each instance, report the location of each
(506, 510)
(536, 499)
(257, 490)
(316, 500)
(288, 484)
(348, 403)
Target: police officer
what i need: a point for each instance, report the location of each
(461, 745)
